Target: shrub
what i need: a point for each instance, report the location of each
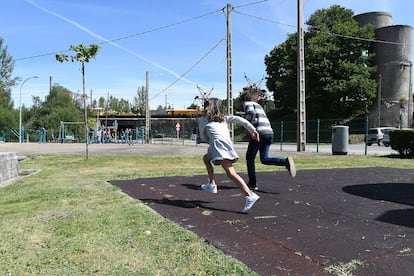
(403, 142)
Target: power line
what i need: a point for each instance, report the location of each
(40, 55)
(361, 38)
(165, 27)
(251, 4)
(325, 32)
(189, 69)
(210, 13)
(264, 19)
(133, 35)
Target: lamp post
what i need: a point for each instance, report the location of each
(20, 107)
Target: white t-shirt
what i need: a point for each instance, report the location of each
(217, 135)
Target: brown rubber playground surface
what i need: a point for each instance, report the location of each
(301, 225)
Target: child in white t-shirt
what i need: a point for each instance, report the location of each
(214, 130)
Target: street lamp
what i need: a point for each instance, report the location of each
(20, 107)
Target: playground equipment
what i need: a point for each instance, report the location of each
(42, 135)
(62, 132)
(36, 135)
(131, 136)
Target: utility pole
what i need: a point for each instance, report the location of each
(301, 105)
(229, 70)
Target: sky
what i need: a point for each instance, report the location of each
(181, 44)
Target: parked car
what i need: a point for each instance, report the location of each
(376, 135)
(386, 137)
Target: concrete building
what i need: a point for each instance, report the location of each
(393, 58)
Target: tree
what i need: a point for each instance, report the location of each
(339, 70)
(83, 54)
(59, 106)
(119, 105)
(102, 102)
(7, 115)
(139, 106)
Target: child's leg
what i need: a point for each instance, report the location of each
(210, 169)
(265, 144)
(232, 174)
(251, 153)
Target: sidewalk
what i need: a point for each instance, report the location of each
(175, 148)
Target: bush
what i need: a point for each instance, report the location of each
(403, 142)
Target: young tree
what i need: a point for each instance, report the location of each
(339, 70)
(82, 54)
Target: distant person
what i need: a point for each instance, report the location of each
(256, 115)
(214, 130)
(99, 135)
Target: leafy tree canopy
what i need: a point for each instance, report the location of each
(59, 106)
(339, 70)
(82, 53)
(6, 83)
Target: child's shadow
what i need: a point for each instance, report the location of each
(187, 204)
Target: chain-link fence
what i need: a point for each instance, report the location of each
(165, 130)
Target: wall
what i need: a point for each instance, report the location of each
(8, 166)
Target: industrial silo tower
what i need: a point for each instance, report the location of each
(393, 58)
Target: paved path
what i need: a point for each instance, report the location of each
(305, 225)
(175, 149)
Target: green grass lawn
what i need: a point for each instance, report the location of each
(65, 219)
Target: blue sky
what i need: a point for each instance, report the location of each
(178, 57)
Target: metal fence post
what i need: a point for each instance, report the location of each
(366, 135)
(281, 135)
(318, 122)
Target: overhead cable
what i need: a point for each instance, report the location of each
(129, 36)
(189, 69)
(329, 33)
(251, 4)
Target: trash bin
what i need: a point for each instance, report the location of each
(340, 137)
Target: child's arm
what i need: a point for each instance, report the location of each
(246, 124)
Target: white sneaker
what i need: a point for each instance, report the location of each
(290, 165)
(209, 188)
(255, 188)
(250, 201)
